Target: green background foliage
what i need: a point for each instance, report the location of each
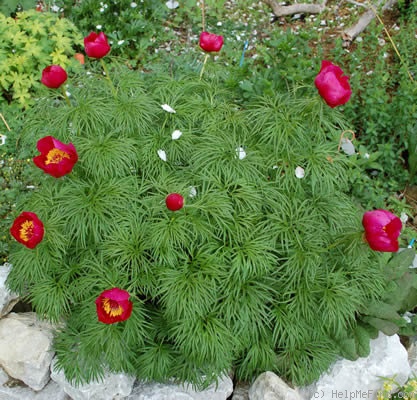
(30, 43)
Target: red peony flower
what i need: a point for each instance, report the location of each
(174, 201)
(53, 76)
(332, 85)
(382, 229)
(56, 158)
(113, 305)
(96, 45)
(28, 229)
(210, 42)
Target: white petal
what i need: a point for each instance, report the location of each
(176, 134)
(172, 4)
(120, 42)
(168, 108)
(348, 147)
(193, 191)
(240, 152)
(299, 172)
(162, 155)
(404, 217)
(2, 139)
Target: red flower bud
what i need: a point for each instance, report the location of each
(174, 202)
(113, 305)
(210, 42)
(382, 229)
(56, 158)
(28, 229)
(96, 45)
(53, 76)
(332, 85)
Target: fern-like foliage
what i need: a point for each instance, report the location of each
(259, 270)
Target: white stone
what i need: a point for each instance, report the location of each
(7, 298)
(171, 391)
(269, 386)
(388, 358)
(26, 348)
(113, 386)
(15, 392)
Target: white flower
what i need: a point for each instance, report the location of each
(162, 155)
(176, 134)
(366, 155)
(168, 108)
(101, 9)
(193, 191)
(240, 152)
(120, 42)
(99, 26)
(3, 139)
(299, 172)
(55, 8)
(133, 4)
(219, 23)
(172, 4)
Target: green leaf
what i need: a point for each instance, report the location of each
(382, 310)
(348, 349)
(363, 339)
(400, 263)
(387, 327)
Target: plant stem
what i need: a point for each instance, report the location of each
(103, 64)
(64, 92)
(203, 15)
(204, 64)
(5, 122)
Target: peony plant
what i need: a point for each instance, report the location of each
(182, 241)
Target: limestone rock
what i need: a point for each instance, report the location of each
(7, 298)
(362, 378)
(113, 386)
(171, 391)
(14, 391)
(269, 386)
(26, 348)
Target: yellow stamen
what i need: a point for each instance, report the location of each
(112, 308)
(26, 230)
(55, 156)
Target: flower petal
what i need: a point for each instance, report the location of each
(168, 108)
(176, 134)
(162, 154)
